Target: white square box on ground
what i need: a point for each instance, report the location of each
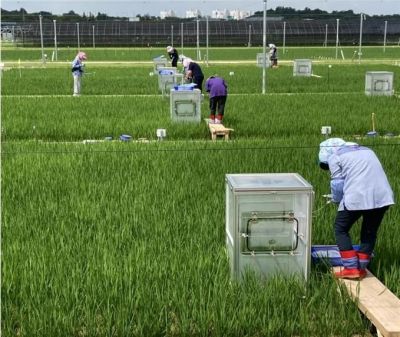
(168, 77)
(260, 60)
(185, 105)
(302, 67)
(159, 62)
(379, 83)
(268, 224)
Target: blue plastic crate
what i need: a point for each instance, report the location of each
(328, 253)
(125, 138)
(184, 87)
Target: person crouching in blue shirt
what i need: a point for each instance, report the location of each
(360, 186)
(218, 91)
(77, 72)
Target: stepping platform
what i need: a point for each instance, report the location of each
(217, 130)
(376, 302)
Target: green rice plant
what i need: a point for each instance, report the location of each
(129, 239)
(241, 79)
(133, 54)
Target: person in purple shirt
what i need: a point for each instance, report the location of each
(218, 91)
(360, 186)
(193, 72)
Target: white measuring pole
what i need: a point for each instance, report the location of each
(326, 36)
(172, 35)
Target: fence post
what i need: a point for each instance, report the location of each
(94, 45)
(77, 31)
(55, 40)
(41, 37)
(384, 37)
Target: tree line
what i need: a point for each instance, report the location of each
(286, 13)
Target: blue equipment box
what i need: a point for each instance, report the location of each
(181, 87)
(328, 253)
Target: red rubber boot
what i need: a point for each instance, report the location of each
(350, 266)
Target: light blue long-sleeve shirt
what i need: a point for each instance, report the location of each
(358, 180)
(77, 67)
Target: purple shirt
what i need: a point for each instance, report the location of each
(216, 86)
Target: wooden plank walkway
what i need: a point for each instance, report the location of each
(218, 130)
(376, 302)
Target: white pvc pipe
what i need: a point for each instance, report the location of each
(181, 37)
(77, 31)
(94, 45)
(55, 40)
(384, 37)
(264, 80)
(41, 37)
(207, 39)
(360, 43)
(198, 40)
(337, 37)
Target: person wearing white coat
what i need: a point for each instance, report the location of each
(360, 186)
(77, 68)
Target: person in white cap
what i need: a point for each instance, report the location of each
(77, 71)
(173, 55)
(193, 72)
(273, 55)
(360, 186)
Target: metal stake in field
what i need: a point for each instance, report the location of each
(372, 133)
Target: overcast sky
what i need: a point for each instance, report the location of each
(153, 7)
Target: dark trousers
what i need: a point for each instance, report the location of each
(199, 82)
(217, 103)
(345, 219)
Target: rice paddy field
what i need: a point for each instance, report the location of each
(114, 238)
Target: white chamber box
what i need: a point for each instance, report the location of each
(379, 83)
(168, 77)
(185, 105)
(260, 60)
(302, 67)
(268, 224)
(159, 62)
